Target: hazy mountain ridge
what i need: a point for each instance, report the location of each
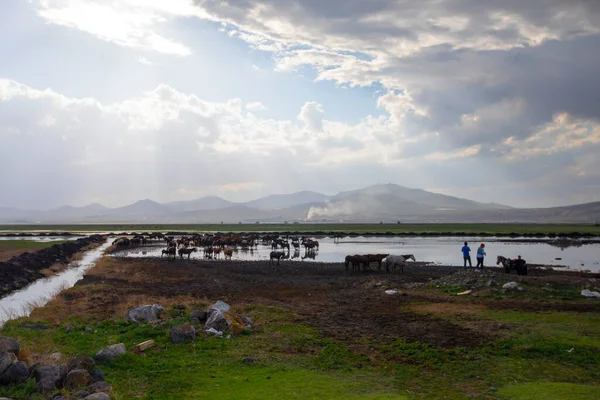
(387, 203)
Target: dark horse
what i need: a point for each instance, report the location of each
(518, 265)
(276, 255)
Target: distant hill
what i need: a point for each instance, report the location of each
(386, 203)
(276, 201)
(204, 203)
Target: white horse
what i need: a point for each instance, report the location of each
(397, 261)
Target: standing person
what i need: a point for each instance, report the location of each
(466, 250)
(480, 255)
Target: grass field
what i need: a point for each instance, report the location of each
(328, 228)
(294, 361)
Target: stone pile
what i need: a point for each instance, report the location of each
(79, 375)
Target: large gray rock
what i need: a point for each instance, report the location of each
(77, 378)
(50, 377)
(219, 306)
(9, 345)
(198, 317)
(81, 394)
(510, 286)
(17, 373)
(98, 396)
(147, 313)
(110, 353)
(82, 362)
(217, 321)
(183, 333)
(6, 360)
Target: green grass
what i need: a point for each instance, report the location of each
(328, 228)
(531, 361)
(294, 362)
(549, 391)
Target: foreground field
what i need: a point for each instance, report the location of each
(326, 228)
(11, 248)
(325, 333)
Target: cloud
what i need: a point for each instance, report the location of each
(129, 23)
(165, 144)
(312, 115)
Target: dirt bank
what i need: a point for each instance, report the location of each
(25, 268)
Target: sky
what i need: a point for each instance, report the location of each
(117, 101)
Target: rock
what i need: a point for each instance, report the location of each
(589, 293)
(219, 306)
(97, 375)
(491, 283)
(391, 291)
(100, 387)
(247, 321)
(250, 360)
(198, 317)
(146, 313)
(9, 345)
(82, 362)
(77, 378)
(510, 286)
(55, 356)
(183, 333)
(6, 360)
(217, 321)
(50, 377)
(81, 394)
(520, 288)
(46, 386)
(97, 396)
(111, 352)
(236, 325)
(17, 373)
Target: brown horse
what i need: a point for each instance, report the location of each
(228, 253)
(187, 251)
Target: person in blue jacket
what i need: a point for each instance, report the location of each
(466, 250)
(480, 255)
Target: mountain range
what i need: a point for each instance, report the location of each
(385, 203)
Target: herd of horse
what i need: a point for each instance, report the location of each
(391, 262)
(217, 244)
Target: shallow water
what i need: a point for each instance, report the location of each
(20, 303)
(438, 250)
